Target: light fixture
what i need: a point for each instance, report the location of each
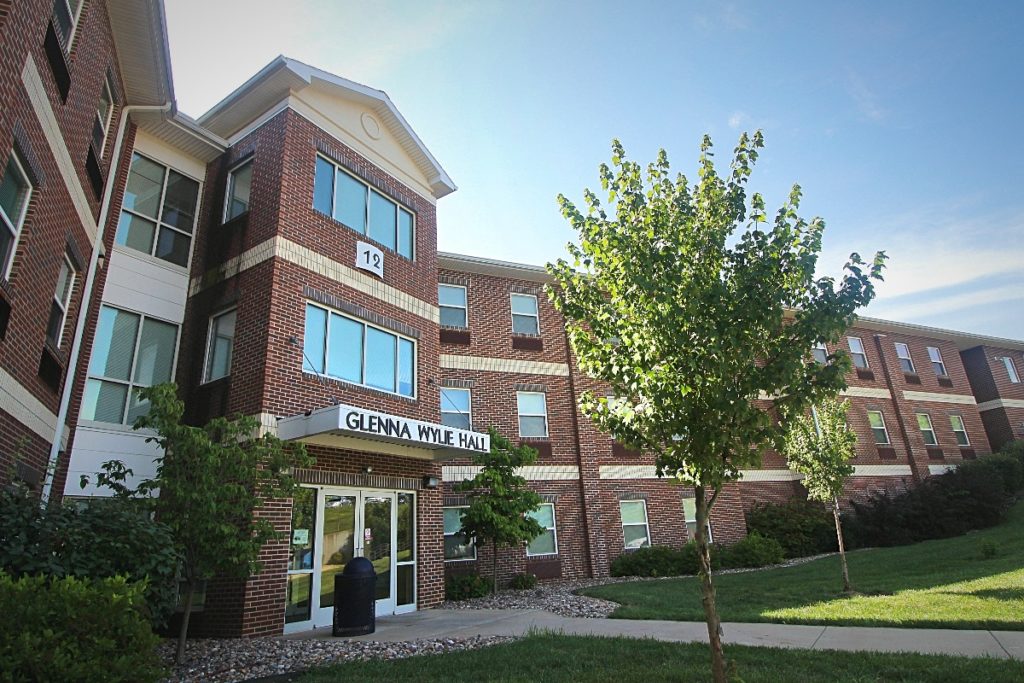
(430, 482)
(368, 469)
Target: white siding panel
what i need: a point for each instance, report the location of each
(136, 282)
(95, 446)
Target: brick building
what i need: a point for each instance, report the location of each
(278, 257)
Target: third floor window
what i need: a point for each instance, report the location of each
(452, 300)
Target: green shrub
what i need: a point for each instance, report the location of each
(657, 560)
(801, 527)
(523, 581)
(1005, 465)
(106, 538)
(753, 551)
(68, 629)
(1014, 449)
(466, 586)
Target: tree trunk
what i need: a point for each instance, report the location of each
(494, 570)
(707, 588)
(190, 592)
(842, 546)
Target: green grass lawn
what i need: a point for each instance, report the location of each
(545, 658)
(935, 584)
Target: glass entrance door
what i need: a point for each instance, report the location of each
(330, 527)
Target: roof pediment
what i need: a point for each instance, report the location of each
(285, 77)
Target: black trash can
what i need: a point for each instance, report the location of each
(355, 598)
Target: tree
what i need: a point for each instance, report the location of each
(819, 446)
(211, 481)
(690, 325)
(500, 502)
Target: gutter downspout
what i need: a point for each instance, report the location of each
(90, 278)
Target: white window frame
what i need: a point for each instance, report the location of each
(953, 418)
(520, 415)
(365, 324)
(553, 529)
(66, 304)
(132, 386)
(931, 428)
(229, 189)
(105, 124)
(936, 359)
(1011, 369)
(209, 345)
(646, 524)
(464, 307)
(15, 224)
(536, 316)
(158, 220)
(451, 410)
(399, 206)
(75, 15)
(906, 349)
(472, 541)
(862, 353)
(687, 521)
(820, 346)
(888, 439)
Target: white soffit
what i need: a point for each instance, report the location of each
(283, 75)
(140, 37)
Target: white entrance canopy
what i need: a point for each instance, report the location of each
(342, 426)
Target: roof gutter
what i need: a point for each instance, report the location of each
(87, 292)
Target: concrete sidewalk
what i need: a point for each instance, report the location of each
(444, 623)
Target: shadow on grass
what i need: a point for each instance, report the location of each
(899, 586)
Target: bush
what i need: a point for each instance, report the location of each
(657, 560)
(522, 582)
(974, 495)
(1005, 465)
(106, 538)
(69, 629)
(466, 586)
(801, 527)
(753, 551)
(1014, 449)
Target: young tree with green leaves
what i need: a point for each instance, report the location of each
(210, 483)
(820, 446)
(500, 502)
(690, 324)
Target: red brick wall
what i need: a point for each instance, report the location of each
(990, 382)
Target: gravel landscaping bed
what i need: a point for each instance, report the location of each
(226, 660)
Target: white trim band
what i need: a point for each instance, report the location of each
(457, 473)
(939, 469)
(16, 401)
(510, 365)
(866, 392)
(769, 475)
(882, 471)
(961, 399)
(1000, 403)
(629, 472)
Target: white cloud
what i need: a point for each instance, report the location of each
(738, 119)
(864, 97)
(947, 303)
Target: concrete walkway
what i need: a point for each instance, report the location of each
(442, 623)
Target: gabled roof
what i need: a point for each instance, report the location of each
(276, 80)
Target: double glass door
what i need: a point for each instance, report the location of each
(331, 526)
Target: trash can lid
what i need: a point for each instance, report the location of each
(359, 566)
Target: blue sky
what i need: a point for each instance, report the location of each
(898, 119)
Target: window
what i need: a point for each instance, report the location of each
(547, 542)
(860, 358)
(1011, 370)
(533, 413)
(457, 546)
(452, 299)
(65, 20)
(924, 422)
(15, 191)
(936, 359)
(158, 212)
(903, 353)
(346, 348)
(219, 343)
(877, 423)
(130, 351)
(524, 314)
(104, 114)
(361, 208)
(820, 352)
(237, 195)
(635, 533)
(61, 301)
(690, 513)
(959, 430)
(456, 410)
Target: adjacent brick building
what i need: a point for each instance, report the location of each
(278, 258)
